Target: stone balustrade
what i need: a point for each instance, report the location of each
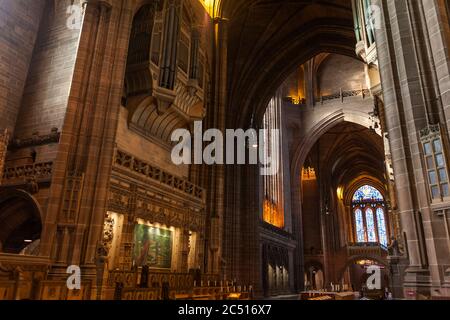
(367, 249)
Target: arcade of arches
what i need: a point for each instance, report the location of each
(358, 90)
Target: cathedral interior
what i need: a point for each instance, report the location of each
(91, 92)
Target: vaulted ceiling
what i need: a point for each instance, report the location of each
(267, 39)
(349, 152)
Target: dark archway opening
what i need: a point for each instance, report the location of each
(20, 222)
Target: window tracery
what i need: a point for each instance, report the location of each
(369, 216)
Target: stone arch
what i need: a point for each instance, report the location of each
(259, 59)
(289, 44)
(318, 129)
(20, 220)
(348, 194)
(351, 260)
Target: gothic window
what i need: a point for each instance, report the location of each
(367, 193)
(382, 234)
(369, 216)
(435, 163)
(371, 234)
(360, 230)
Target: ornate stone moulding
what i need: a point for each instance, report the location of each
(166, 110)
(14, 262)
(156, 208)
(430, 131)
(142, 190)
(30, 176)
(35, 140)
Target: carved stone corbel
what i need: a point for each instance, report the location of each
(164, 99)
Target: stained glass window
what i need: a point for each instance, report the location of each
(371, 235)
(382, 235)
(367, 193)
(370, 219)
(359, 226)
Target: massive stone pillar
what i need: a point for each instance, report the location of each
(216, 175)
(410, 44)
(79, 190)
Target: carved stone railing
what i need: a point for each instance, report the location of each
(367, 249)
(342, 94)
(12, 262)
(129, 162)
(345, 94)
(38, 171)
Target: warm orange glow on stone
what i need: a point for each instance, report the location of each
(272, 214)
(210, 6)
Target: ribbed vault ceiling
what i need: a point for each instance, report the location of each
(352, 151)
(267, 39)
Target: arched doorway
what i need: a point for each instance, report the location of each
(367, 274)
(20, 222)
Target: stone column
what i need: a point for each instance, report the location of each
(216, 119)
(88, 136)
(436, 29)
(411, 104)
